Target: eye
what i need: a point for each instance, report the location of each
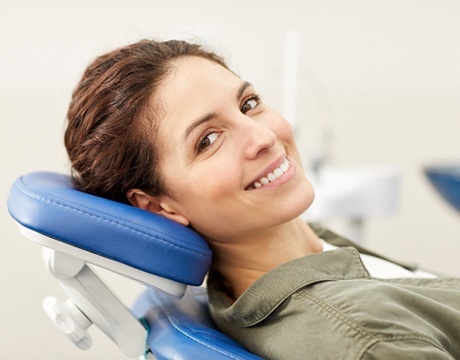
(250, 104)
(207, 141)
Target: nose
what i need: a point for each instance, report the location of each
(258, 138)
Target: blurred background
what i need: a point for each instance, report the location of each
(365, 84)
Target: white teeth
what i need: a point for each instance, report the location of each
(264, 181)
(277, 173)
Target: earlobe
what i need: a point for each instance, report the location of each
(168, 212)
(155, 204)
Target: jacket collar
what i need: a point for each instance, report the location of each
(269, 291)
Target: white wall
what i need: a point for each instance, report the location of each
(385, 75)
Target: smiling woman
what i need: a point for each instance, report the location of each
(228, 142)
(167, 127)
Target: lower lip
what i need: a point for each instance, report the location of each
(288, 175)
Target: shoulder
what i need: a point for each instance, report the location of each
(369, 318)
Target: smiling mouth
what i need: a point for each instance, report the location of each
(271, 176)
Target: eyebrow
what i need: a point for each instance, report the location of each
(242, 88)
(208, 117)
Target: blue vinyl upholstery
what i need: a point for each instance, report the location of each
(48, 204)
(182, 329)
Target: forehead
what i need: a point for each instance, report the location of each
(192, 76)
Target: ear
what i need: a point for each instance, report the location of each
(156, 204)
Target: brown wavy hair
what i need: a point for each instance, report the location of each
(110, 135)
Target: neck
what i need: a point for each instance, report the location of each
(243, 261)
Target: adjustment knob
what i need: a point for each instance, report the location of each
(70, 320)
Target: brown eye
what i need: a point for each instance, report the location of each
(207, 141)
(250, 104)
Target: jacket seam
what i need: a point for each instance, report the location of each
(421, 338)
(340, 316)
(373, 339)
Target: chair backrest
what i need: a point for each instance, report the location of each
(48, 204)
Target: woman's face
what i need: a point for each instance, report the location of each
(229, 162)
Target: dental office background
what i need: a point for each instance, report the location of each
(371, 85)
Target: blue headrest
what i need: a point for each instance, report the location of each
(48, 204)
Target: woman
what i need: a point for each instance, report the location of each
(167, 127)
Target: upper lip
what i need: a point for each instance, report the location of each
(274, 165)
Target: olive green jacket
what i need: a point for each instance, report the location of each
(327, 306)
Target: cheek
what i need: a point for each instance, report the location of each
(280, 126)
(285, 130)
(218, 180)
(205, 186)
(285, 134)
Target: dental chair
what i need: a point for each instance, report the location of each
(170, 319)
